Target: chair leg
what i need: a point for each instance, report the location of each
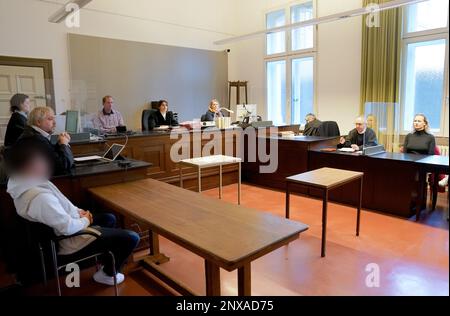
(55, 266)
(113, 261)
(43, 270)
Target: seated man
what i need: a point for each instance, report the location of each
(108, 119)
(312, 125)
(359, 137)
(36, 199)
(41, 125)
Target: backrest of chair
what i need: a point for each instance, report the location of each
(329, 129)
(146, 114)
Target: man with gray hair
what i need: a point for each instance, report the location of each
(41, 125)
(360, 137)
(312, 125)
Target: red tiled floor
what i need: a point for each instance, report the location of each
(413, 257)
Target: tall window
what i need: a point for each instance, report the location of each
(290, 65)
(425, 65)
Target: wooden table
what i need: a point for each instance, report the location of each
(227, 236)
(326, 179)
(209, 162)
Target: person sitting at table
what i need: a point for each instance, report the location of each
(108, 119)
(360, 137)
(163, 117)
(421, 141)
(312, 125)
(41, 125)
(20, 106)
(213, 112)
(38, 200)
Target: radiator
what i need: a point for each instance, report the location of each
(444, 150)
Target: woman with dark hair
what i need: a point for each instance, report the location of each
(164, 117)
(20, 106)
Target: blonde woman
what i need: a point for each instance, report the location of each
(421, 141)
(213, 111)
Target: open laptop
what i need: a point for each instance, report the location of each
(110, 155)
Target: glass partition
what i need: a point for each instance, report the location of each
(384, 119)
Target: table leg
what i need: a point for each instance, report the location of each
(288, 200)
(220, 182)
(324, 222)
(199, 180)
(155, 255)
(212, 274)
(181, 175)
(245, 280)
(239, 184)
(420, 194)
(435, 185)
(358, 216)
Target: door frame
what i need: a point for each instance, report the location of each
(45, 64)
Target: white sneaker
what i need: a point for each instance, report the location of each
(101, 277)
(444, 182)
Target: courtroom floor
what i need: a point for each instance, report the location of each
(413, 258)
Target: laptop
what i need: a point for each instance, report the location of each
(110, 155)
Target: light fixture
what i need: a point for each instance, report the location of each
(326, 19)
(69, 8)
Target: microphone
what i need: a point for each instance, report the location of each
(227, 110)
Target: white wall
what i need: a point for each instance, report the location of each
(338, 60)
(25, 31)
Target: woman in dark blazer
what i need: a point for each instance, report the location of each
(163, 117)
(213, 112)
(20, 106)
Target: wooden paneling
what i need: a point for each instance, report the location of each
(155, 148)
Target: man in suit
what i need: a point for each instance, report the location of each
(360, 137)
(312, 125)
(41, 125)
(162, 117)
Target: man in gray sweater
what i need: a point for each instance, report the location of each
(38, 200)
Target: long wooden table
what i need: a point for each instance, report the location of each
(225, 235)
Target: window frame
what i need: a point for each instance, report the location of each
(289, 55)
(421, 37)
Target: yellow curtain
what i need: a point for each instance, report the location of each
(381, 56)
(380, 69)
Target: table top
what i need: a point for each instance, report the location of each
(325, 178)
(210, 161)
(98, 167)
(435, 162)
(225, 233)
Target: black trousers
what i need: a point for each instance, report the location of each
(120, 242)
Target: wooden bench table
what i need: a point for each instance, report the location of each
(226, 235)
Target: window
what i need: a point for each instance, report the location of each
(302, 38)
(276, 91)
(425, 65)
(302, 89)
(290, 65)
(427, 15)
(276, 42)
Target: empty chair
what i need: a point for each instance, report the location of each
(148, 122)
(329, 129)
